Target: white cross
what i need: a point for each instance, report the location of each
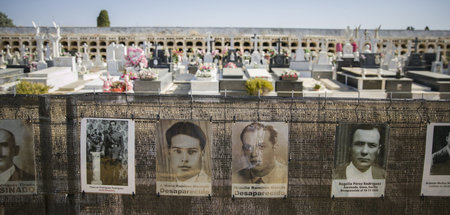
(208, 44)
(255, 42)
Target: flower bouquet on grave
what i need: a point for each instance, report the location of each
(200, 53)
(176, 55)
(148, 75)
(204, 72)
(289, 75)
(231, 65)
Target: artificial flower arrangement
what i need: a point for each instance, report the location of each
(289, 74)
(200, 53)
(118, 86)
(215, 54)
(231, 65)
(204, 71)
(148, 74)
(135, 58)
(176, 55)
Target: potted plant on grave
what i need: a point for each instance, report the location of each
(317, 87)
(289, 75)
(258, 86)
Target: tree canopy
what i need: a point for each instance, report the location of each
(5, 21)
(103, 19)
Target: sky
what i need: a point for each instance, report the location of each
(329, 14)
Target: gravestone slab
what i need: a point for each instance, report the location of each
(437, 82)
(415, 62)
(154, 86)
(400, 88)
(232, 73)
(369, 60)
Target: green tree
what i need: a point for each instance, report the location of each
(5, 21)
(103, 19)
(427, 28)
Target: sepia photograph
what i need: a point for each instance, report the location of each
(260, 159)
(184, 158)
(436, 170)
(360, 160)
(17, 165)
(107, 155)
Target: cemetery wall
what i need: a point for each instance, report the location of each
(312, 121)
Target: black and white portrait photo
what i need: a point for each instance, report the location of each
(184, 158)
(17, 166)
(436, 170)
(107, 148)
(259, 164)
(360, 157)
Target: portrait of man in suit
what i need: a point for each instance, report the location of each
(9, 171)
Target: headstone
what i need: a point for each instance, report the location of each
(111, 62)
(437, 65)
(120, 53)
(159, 60)
(2, 58)
(370, 60)
(279, 60)
(322, 68)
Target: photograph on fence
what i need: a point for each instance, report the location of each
(260, 159)
(436, 168)
(360, 160)
(107, 155)
(183, 164)
(17, 164)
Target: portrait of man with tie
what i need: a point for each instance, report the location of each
(259, 145)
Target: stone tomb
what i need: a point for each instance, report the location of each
(232, 73)
(207, 85)
(437, 82)
(54, 76)
(10, 77)
(373, 79)
(259, 73)
(287, 88)
(155, 86)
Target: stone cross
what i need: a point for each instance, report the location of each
(255, 43)
(22, 50)
(145, 46)
(323, 45)
(416, 42)
(208, 40)
(409, 48)
(232, 43)
(156, 50)
(438, 54)
(348, 34)
(278, 46)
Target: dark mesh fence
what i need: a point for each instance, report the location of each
(312, 123)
